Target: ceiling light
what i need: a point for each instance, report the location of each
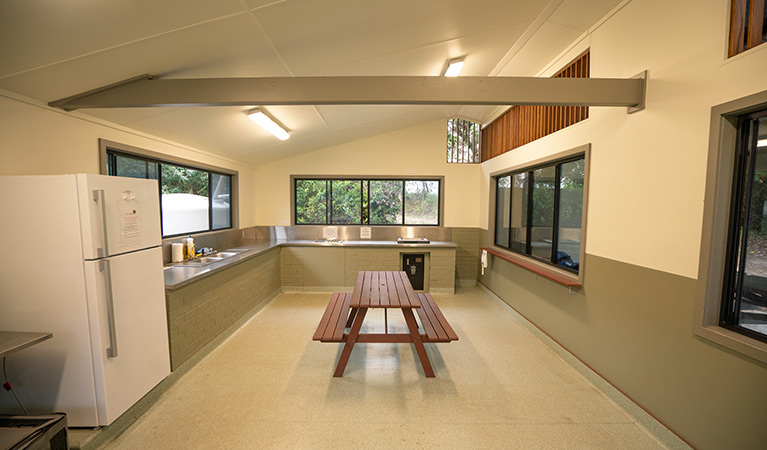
(454, 66)
(761, 143)
(267, 123)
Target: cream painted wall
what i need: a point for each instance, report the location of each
(38, 140)
(416, 151)
(648, 168)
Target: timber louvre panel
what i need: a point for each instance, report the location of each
(746, 25)
(522, 124)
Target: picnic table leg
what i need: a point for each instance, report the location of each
(352, 315)
(350, 340)
(419, 348)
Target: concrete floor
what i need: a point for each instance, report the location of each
(270, 386)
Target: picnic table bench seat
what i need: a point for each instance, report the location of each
(333, 322)
(433, 322)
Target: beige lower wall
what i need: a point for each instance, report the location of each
(633, 326)
(200, 311)
(301, 266)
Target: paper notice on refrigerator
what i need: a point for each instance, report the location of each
(130, 226)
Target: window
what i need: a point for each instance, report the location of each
(729, 296)
(744, 294)
(462, 141)
(748, 25)
(192, 199)
(353, 201)
(539, 211)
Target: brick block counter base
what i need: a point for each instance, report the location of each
(200, 311)
(335, 268)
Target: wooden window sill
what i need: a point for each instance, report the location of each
(541, 269)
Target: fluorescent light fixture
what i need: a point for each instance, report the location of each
(454, 67)
(761, 143)
(267, 123)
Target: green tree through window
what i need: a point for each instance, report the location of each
(366, 202)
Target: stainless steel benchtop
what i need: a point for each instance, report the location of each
(176, 277)
(13, 341)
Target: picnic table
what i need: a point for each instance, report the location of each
(388, 290)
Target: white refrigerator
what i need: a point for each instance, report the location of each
(81, 258)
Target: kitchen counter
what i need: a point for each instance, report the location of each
(13, 341)
(179, 276)
(176, 277)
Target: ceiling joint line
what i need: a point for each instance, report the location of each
(125, 44)
(548, 10)
(268, 39)
(277, 52)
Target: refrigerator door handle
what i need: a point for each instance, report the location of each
(102, 252)
(112, 349)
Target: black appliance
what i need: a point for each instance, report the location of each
(40, 432)
(414, 266)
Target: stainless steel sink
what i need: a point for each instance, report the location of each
(198, 262)
(205, 260)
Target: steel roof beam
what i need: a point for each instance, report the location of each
(149, 91)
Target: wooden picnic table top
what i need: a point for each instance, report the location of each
(383, 289)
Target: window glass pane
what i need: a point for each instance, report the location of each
(184, 200)
(543, 211)
(753, 303)
(346, 201)
(385, 202)
(311, 201)
(221, 199)
(519, 200)
(570, 213)
(421, 202)
(502, 206)
(134, 168)
(365, 202)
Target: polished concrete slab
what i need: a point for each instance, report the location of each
(499, 386)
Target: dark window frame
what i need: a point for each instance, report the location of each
(556, 273)
(365, 203)
(530, 180)
(744, 169)
(111, 150)
(722, 142)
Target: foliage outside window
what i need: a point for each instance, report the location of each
(463, 141)
(366, 201)
(744, 294)
(539, 212)
(192, 199)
